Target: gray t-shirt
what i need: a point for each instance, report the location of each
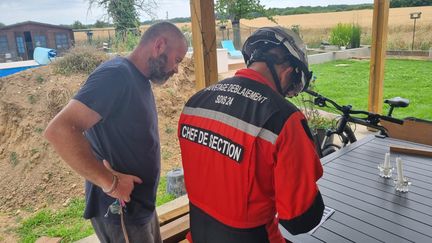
(127, 136)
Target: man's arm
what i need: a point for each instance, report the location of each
(65, 133)
(298, 201)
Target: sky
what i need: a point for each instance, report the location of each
(68, 11)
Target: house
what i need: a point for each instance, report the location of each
(18, 41)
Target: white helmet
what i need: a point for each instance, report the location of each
(255, 50)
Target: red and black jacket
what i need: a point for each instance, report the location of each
(248, 156)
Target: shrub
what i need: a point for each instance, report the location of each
(296, 28)
(398, 44)
(355, 36)
(126, 43)
(81, 59)
(306, 103)
(346, 35)
(367, 39)
(425, 45)
(341, 35)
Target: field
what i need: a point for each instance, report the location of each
(397, 16)
(315, 28)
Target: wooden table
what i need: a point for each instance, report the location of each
(367, 207)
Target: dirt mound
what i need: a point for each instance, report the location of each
(31, 174)
(170, 99)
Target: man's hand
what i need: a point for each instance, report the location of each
(125, 184)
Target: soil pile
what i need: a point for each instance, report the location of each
(32, 176)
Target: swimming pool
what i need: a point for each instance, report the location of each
(9, 68)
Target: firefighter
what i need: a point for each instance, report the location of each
(248, 156)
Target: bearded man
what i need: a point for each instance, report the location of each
(108, 133)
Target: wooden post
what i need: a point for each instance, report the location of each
(204, 42)
(378, 54)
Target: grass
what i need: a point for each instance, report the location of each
(31, 99)
(347, 82)
(33, 151)
(162, 196)
(166, 155)
(68, 223)
(13, 159)
(169, 130)
(40, 79)
(39, 130)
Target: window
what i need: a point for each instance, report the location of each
(40, 40)
(20, 44)
(61, 41)
(4, 47)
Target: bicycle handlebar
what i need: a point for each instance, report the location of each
(371, 120)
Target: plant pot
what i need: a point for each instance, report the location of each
(318, 135)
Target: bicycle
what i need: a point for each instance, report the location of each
(343, 129)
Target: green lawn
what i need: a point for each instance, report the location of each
(347, 82)
(68, 223)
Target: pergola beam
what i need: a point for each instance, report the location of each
(378, 54)
(204, 42)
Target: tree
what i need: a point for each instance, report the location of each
(78, 25)
(124, 13)
(234, 10)
(2, 25)
(409, 3)
(100, 24)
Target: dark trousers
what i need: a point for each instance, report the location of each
(205, 229)
(111, 233)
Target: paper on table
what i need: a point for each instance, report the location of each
(327, 213)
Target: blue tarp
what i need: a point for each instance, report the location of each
(44, 56)
(8, 71)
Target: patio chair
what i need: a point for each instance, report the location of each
(228, 44)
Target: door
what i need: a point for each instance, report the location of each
(20, 44)
(29, 44)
